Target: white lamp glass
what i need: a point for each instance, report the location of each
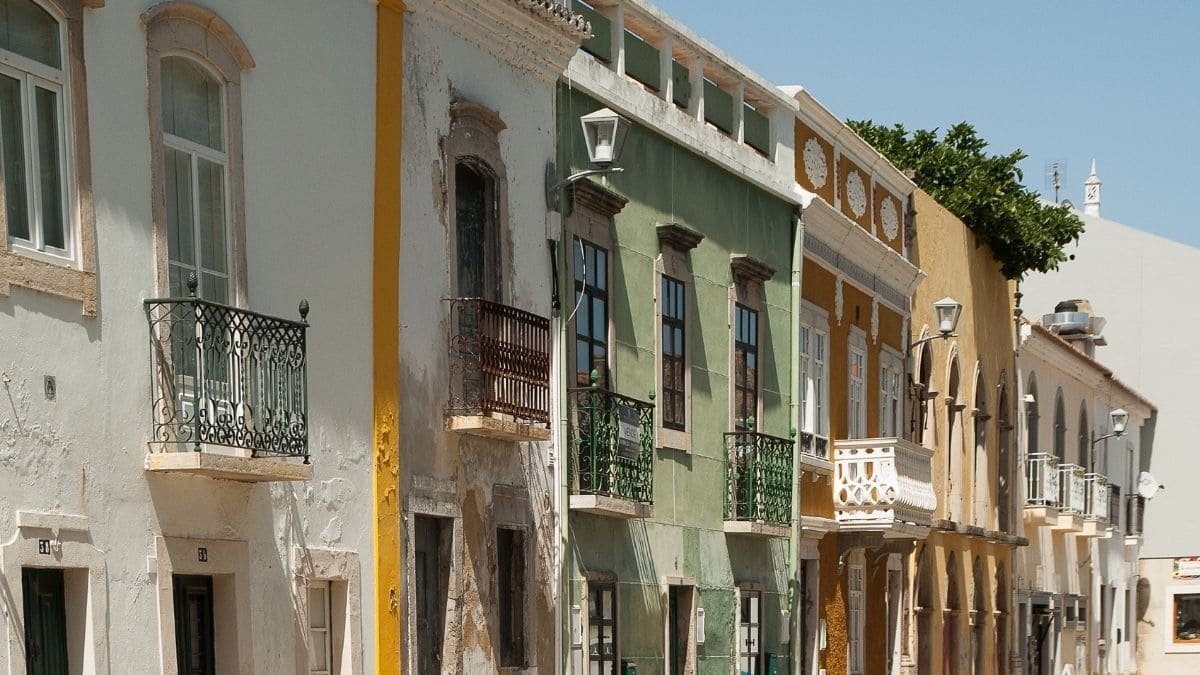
(1119, 419)
(604, 132)
(947, 311)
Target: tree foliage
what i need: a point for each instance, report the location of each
(983, 190)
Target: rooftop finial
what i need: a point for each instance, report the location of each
(1091, 193)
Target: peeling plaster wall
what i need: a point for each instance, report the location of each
(440, 67)
(308, 115)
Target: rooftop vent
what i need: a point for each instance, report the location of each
(1075, 321)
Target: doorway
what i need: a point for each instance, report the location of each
(45, 621)
(432, 572)
(195, 647)
(680, 609)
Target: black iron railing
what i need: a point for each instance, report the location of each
(224, 376)
(613, 445)
(758, 477)
(816, 446)
(1114, 506)
(1135, 512)
(499, 361)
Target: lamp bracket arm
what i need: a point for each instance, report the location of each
(553, 190)
(939, 336)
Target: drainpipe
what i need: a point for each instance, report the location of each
(794, 417)
(1017, 640)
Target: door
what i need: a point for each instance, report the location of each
(432, 577)
(195, 650)
(45, 621)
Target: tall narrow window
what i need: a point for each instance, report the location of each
(806, 394)
(1085, 449)
(814, 381)
(320, 655)
(510, 578)
(33, 129)
(1031, 417)
(602, 628)
(890, 402)
(1060, 428)
(745, 366)
(477, 241)
(195, 165)
(591, 313)
(674, 363)
(750, 633)
(857, 417)
(855, 618)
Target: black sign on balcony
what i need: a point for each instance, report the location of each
(629, 436)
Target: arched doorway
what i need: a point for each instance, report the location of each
(951, 616)
(1001, 603)
(978, 619)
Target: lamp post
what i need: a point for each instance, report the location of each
(947, 310)
(604, 132)
(1117, 420)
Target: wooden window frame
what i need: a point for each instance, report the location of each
(815, 417)
(891, 364)
(856, 409)
(742, 350)
(669, 285)
(603, 582)
(583, 297)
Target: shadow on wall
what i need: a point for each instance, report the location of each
(1143, 599)
(1146, 442)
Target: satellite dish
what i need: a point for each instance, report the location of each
(1147, 485)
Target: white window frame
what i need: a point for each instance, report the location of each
(856, 388)
(33, 75)
(1169, 643)
(323, 633)
(891, 398)
(855, 611)
(814, 369)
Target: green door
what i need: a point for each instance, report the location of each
(194, 649)
(45, 621)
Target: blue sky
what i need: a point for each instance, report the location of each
(1063, 81)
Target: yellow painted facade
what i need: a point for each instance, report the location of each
(960, 617)
(385, 304)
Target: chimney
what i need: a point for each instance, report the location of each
(1091, 193)
(1076, 322)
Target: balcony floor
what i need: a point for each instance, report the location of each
(498, 428)
(612, 507)
(1041, 515)
(229, 467)
(753, 528)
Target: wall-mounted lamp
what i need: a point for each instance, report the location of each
(1117, 420)
(604, 132)
(785, 626)
(947, 310)
(576, 626)
(699, 625)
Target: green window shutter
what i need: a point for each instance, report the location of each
(600, 44)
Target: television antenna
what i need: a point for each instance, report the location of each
(1055, 171)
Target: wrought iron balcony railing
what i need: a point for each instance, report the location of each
(1135, 512)
(223, 376)
(1071, 492)
(1096, 495)
(816, 446)
(882, 482)
(499, 361)
(613, 445)
(1041, 480)
(758, 477)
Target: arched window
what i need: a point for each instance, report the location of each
(980, 472)
(44, 151)
(979, 615)
(926, 603)
(926, 394)
(478, 190)
(1004, 470)
(1060, 427)
(195, 65)
(1001, 604)
(954, 455)
(1031, 417)
(1085, 454)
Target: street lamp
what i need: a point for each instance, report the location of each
(1117, 420)
(604, 132)
(947, 310)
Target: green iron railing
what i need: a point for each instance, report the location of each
(613, 439)
(758, 477)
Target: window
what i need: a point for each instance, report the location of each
(477, 243)
(196, 61)
(1060, 428)
(750, 633)
(510, 581)
(45, 620)
(591, 313)
(195, 648)
(857, 411)
(814, 380)
(33, 132)
(1031, 417)
(1085, 454)
(674, 358)
(320, 621)
(745, 366)
(890, 406)
(1187, 618)
(603, 653)
(855, 618)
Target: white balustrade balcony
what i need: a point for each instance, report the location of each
(1096, 489)
(883, 484)
(1041, 479)
(1071, 492)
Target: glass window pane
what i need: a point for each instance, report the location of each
(214, 288)
(12, 149)
(50, 169)
(210, 180)
(320, 657)
(191, 102)
(178, 189)
(29, 30)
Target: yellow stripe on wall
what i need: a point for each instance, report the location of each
(385, 306)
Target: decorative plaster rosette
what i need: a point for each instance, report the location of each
(815, 166)
(856, 194)
(889, 218)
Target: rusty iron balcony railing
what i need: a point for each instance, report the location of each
(881, 483)
(499, 361)
(1135, 512)
(1071, 492)
(758, 478)
(1096, 496)
(612, 438)
(224, 376)
(1041, 480)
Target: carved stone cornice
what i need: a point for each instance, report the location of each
(595, 197)
(678, 236)
(537, 36)
(748, 268)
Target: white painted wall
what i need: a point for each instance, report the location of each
(308, 113)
